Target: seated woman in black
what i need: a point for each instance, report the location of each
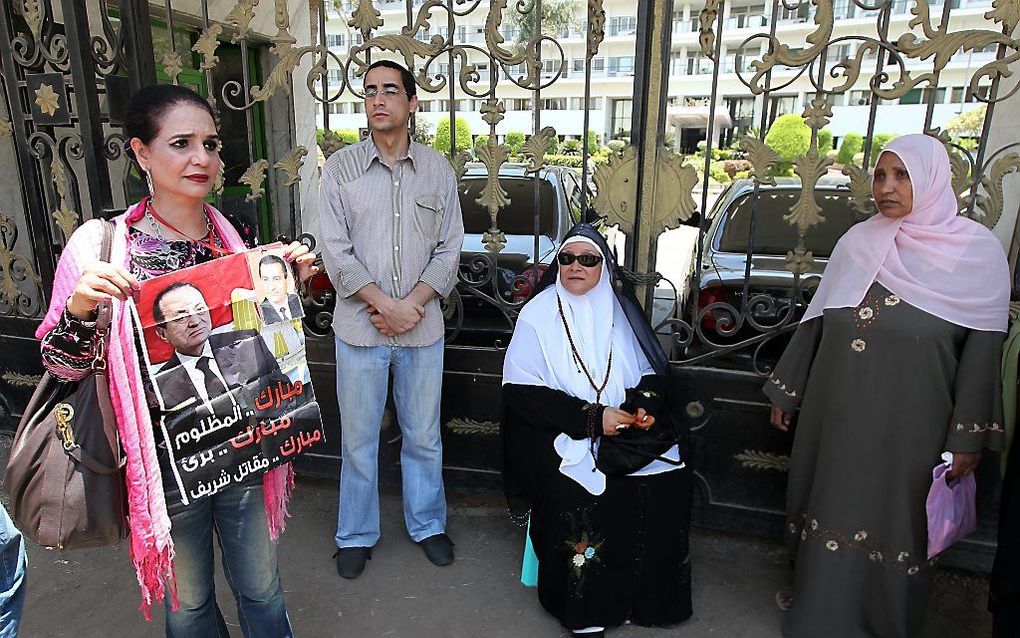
(584, 364)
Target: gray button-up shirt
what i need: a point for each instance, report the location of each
(392, 226)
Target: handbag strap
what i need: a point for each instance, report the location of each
(104, 313)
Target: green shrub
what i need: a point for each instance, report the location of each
(851, 145)
(824, 142)
(789, 137)
(616, 146)
(554, 145)
(481, 141)
(573, 147)
(717, 171)
(742, 175)
(442, 141)
(574, 161)
(514, 141)
(878, 143)
(593, 141)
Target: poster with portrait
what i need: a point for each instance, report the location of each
(225, 355)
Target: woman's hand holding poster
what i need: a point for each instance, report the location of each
(225, 356)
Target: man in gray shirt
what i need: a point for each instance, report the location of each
(392, 233)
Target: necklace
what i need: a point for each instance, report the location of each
(591, 380)
(209, 241)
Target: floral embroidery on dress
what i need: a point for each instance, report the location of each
(858, 345)
(584, 546)
(978, 428)
(892, 300)
(835, 541)
(782, 387)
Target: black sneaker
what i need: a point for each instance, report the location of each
(350, 561)
(438, 549)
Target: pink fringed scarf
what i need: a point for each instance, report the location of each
(151, 546)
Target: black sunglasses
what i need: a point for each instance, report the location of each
(587, 259)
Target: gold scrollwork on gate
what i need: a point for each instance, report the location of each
(596, 27)
(758, 460)
(536, 147)
(992, 203)
(34, 18)
(616, 186)
(492, 155)
(206, 46)
(291, 164)
(253, 177)
(64, 215)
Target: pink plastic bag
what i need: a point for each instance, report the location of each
(951, 510)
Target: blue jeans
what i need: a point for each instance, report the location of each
(362, 375)
(13, 572)
(238, 514)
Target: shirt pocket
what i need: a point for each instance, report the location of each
(429, 216)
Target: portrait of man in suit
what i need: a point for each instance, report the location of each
(205, 366)
(278, 304)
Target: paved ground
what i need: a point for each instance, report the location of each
(92, 593)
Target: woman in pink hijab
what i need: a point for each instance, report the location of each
(895, 362)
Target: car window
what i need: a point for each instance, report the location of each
(572, 189)
(518, 217)
(775, 236)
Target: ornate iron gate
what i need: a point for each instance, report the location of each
(68, 71)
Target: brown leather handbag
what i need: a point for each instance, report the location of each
(66, 471)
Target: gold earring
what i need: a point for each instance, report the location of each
(148, 182)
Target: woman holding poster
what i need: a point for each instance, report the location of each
(174, 143)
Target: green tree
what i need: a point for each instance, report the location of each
(824, 141)
(593, 142)
(422, 132)
(967, 124)
(515, 142)
(790, 138)
(554, 145)
(481, 141)
(442, 141)
(851, 145)
(878, 143)
(557, 16)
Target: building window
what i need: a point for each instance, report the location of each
(555, 104)
(620, 124)
(335, 40)
(520, 104)
(860, 98)
(912, 96)
(783, 104)
(424, 106)
(622, 25)
(577, 65)
(577, 104)
(336, 75)
(621, 66)
(359, 107)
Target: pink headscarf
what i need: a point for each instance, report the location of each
(935, 260)
(151, 546)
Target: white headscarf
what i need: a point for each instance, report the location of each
(935, 260)
(539, 354)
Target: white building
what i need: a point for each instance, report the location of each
(690, 72)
